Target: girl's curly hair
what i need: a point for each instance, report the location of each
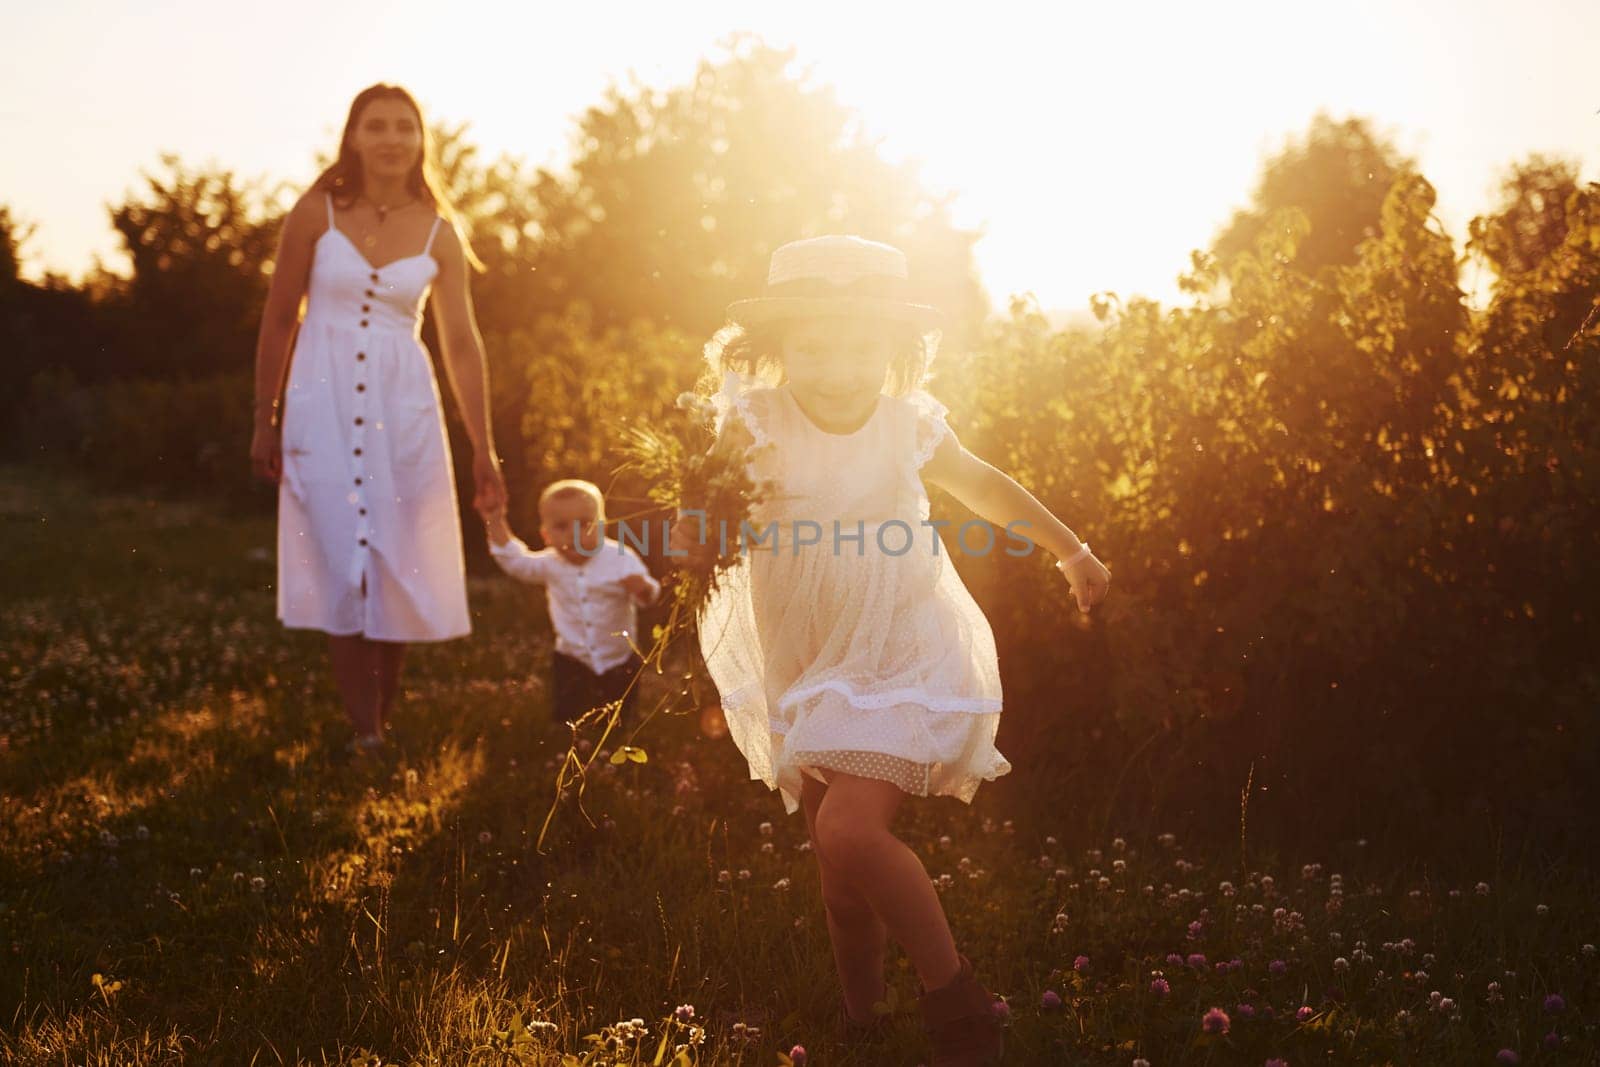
(756, 353)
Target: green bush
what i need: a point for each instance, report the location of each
(188, 437)
(1352, 534)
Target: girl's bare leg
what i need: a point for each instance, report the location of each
(852, 833)
(858, 936)
(357, 670)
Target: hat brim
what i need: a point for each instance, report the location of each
(768, 309)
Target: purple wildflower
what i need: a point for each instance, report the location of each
(1215, 1022)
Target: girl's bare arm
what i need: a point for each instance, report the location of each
(997, 497)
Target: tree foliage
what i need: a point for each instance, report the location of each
(1353, 522)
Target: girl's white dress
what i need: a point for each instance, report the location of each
(369, 539)
(864, 656)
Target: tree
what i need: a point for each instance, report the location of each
(13, 235)
(201, 246)
(1339, 175)
(50, 327)
(1530, 221)
(676, 198)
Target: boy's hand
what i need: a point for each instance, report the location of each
(638, 587)
(498, 528)
(1089, 579)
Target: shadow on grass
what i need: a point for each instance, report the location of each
(182, 821)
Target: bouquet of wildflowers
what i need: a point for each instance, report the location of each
(683, 471)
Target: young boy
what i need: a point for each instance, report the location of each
(594, 587)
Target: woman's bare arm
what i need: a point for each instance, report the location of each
(291, 274)
(466, 365)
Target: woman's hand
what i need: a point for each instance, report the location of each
(489, 498)
(266, 453)
(1089, 579)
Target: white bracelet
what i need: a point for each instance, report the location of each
(1083, 550)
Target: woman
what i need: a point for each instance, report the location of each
(369, 543)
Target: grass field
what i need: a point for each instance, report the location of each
(192, 871)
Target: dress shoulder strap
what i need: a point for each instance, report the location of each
(429, 246)
(329, 198)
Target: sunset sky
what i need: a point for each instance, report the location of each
(1095, 144)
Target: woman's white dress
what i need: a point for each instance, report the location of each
(871, 660)
(369, 539)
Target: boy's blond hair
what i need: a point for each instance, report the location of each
(567, 488)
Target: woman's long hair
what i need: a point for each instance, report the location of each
(346, 181)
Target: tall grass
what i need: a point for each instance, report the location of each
(192, 872)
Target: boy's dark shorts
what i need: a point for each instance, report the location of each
(575, 688)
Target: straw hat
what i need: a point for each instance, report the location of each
(835, 275)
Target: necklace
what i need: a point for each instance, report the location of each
(371, 239)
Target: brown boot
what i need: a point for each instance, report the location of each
(854, 1033)
(961, 1022)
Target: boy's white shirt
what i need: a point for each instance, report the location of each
(588, 605)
